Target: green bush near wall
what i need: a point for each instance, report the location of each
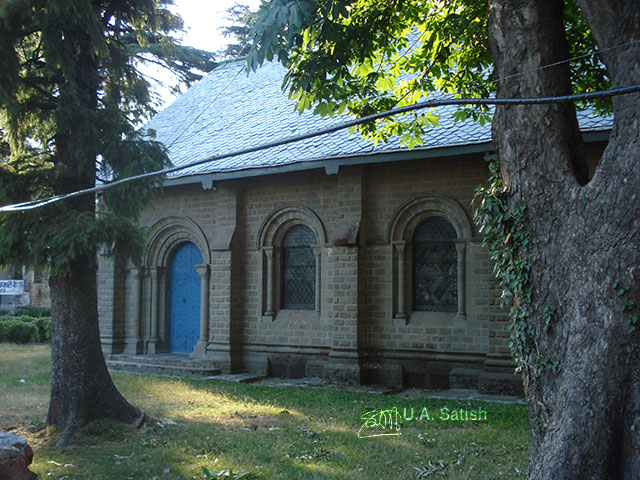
(32, 311)
(44, 329)
(25, 329)
(16, 331)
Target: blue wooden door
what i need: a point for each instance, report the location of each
(184, 326)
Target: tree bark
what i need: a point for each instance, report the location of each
(81, 387)
(585, 235)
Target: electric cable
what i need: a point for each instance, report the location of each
(468, 101)
(348, 124)
(224, 89)
(561, 62)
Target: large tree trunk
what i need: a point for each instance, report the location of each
(585, 235)
(81, 387)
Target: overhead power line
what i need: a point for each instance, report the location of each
(223, 90)
(562, 62)
(40, 203)
(348, 124)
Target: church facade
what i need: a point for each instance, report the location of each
(328, 257)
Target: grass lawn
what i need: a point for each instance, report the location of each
(270, 432)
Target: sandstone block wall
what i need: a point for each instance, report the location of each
(363, 218)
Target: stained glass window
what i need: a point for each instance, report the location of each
(435, 262)
(298, 269)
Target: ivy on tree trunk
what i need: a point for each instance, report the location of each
(584, 236)
(568, 244)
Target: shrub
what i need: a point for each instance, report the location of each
(23, 318)
(15, 331)
(42, 324)
(44, 329)
(32, 311)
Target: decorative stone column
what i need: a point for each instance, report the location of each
(345, 254)
(269, 311)
(461, 249)
(154, 321)
(317, 251)
(200, 350)
(401, 313)
(134, 344)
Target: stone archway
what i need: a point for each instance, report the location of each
(399, 234)
(269, 241)
(166, 239)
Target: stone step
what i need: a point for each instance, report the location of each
(161, 359)
(194, 370)
(240, 377)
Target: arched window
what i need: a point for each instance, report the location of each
(429, 237)
(298, 269)
(435, 264)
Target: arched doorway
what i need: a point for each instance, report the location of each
(184, 321)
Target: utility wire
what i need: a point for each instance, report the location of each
(352, 123)
(39, 203)
(224, 89)
(561, 62)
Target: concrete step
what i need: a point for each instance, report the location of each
(161, 359)
(192, 370)
(240, 377)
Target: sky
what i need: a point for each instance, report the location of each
(202, 20)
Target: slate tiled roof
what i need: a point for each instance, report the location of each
(229, 110)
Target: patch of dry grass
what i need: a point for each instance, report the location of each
(24, 384)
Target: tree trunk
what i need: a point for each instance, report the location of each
(585, 236)
(81, 387)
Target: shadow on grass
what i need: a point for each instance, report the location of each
(294, 449)
(289, 433)
(274, 433)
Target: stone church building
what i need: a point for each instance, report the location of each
(328, 257)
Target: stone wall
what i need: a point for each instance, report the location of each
(363, 328)
(36, 288)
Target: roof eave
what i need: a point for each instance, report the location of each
(333, 164)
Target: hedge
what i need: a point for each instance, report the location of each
(32, 311)
(24, 329)
(44, 329)
(16, 331)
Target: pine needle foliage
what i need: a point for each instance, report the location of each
(71, 96)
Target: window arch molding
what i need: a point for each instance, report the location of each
(410, 214)
(269, 242)
(165, 235)
(279, 221)
(400, 233)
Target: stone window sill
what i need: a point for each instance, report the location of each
(429, 318)
(292, 316)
